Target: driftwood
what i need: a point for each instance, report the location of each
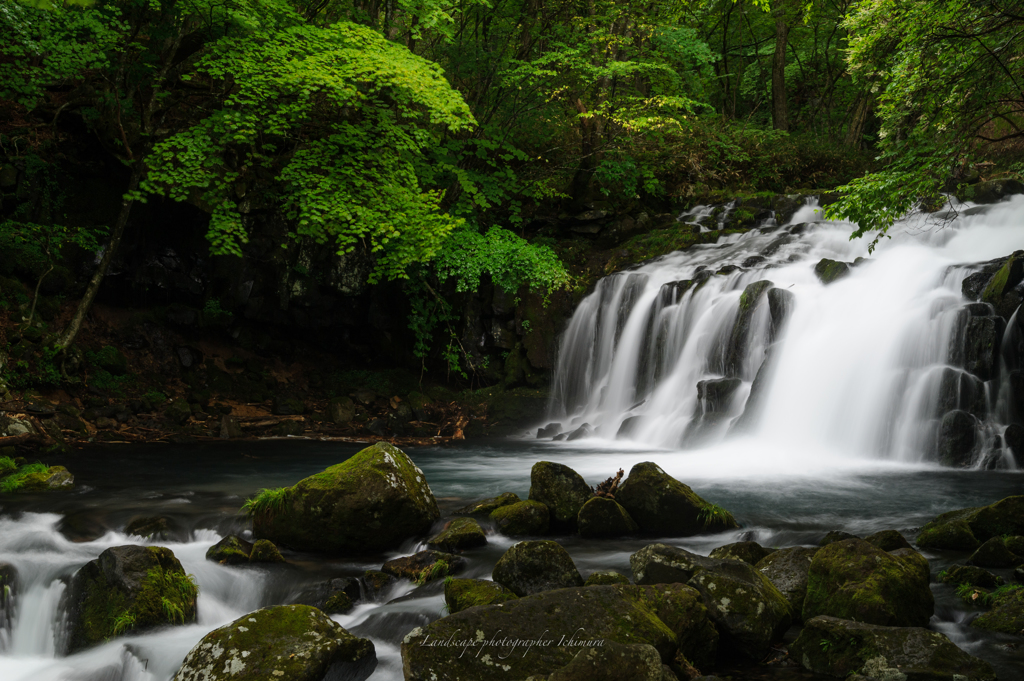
(609, 486)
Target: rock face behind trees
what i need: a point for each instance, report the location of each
(371, 502)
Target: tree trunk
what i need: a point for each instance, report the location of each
(854, 134)
(67, 337)
(780, 113)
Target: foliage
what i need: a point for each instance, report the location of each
(267, 502)
(711, 513)
(7, 465)
(125, 621)
(15, 481)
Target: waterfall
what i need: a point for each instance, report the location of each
(742, 337)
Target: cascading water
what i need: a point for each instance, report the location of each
(741, 338)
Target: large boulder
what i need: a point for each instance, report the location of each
(540, 634)
(333, 596)
(748, 610)
(746, 551)
(523, 519)
(128, 589)
(970, 575)
(265, 551)
(293, 642)
(460, 594)
(787, 569)
(829, 271)
(852, 579)
(457, 535)
(604, 518)
(230, 550)
(967, 528)
(613, 661)
(662, 506)
(887, 540)
(1006, 615)
(371, 502)
(841, 648)
(995, 553)
(957, 437)
(562, 490)
(530, 567)
(425, 566)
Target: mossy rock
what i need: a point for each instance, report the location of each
(128, 589)
(965, 529)
(604, 518)
(230, 550)
(484, 508)
(460, 594)
(854, 580)
(293, 642)
(970, 575)
(49, 479)
(160, 528)
(334, 596)
(372, 502)
(605, 578)
(425, 566)
(614, 661)
(669, 617)
(341, 410)
(376, 582)
(458, 534)
(562, 490)
(1007, 613)
(995, 554)
(748, 610)
(747, 551)
(178, 411)
(264, 551)
(523, 519)
(787, 569)
(530, 567)
(841, 648)
(663, 506)
(887, 540)
(829, 271)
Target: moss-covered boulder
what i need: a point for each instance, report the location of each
(970, 575)
(530, 567)
(951, 533)
(1007, 613)
(854, 580)
(747, 551)
(562, 490)
(888, 540)
(425, 566)
(841, 648)
(787, 569)
(460, 594)
(484, 507)
(967, 528)
(829, 271)
(614, 661)
(540, 634)
(748, 610)
(665, 507)
(995, 553)
(604, 518)
(334, 596)
(264, 551)
(522, 519)
(834, 536)
(128, 589)
(371, 502)
(230, 550)
(34, 477)
(605, 578)
(375, 583)
(457, 535)
(288, 642)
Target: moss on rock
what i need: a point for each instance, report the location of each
(787, 569)
(460, 594)
(966, 529)
(562, 490)
(605, 578)
(887, 540)
(523, 519)
(530, 567)
(425, 566)
(36, 477)
(663, 506)
(230, 550)
(604, 518)
(829, 271)
(458, 534)
(264, 551)
(971, 576)
(747, 551)
(1007, 613)
(484, 508)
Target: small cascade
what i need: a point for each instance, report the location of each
(877, 356)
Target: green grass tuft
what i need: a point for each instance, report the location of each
(267, 502)
(710, 513)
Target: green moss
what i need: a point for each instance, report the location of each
(1007, 614)
(522, 519)
(994, 290)
(7, 465)
(338, 603)
(29, 476)
(605, 578)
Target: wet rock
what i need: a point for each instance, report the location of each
(458, 534)
(966, 529)
(628, 427)
(604, 518)
(376, 583)
(715, 395)
(970, 575)
(373, 501)
(887, 540)
(749, 612)
(612, 662)
(786, 206)
(829, 271)
(981, 346)
(780, 306)
(957, 438)
(758, 389)
(994, 553)
(673, 292)
(550, 430)
(669, 617)
(158, 528)
(747, 551)
(787, 569)
(583, 431)
(739, 340)
(1013, 436)
(293, 642)
(663, 506)
(229, 428)
(1006, 615)
(992, 191)
(333, 596)
(341, 410)
(460, 594)
(128, 589)
(264, 551)
(531, 567)
(484, 508)
(837, 647)
(836, 535)
(178, 411)
(562, 490)
(8, 584)
(606, 577)
(852, 579)
(425, 566)
(523, 519)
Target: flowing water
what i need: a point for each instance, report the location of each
(843, 440)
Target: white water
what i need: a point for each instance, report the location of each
(857, 365)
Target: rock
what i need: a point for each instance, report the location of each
(229, 428)
(606, 577)
(365, 397)
(178, 411)
(966, 529)
(970, 575)
(829, 271)
(425, 566)
(458, 534)
(112, 360)
(852, 579)
(484, 508)
(1013, 436)
(714, 403)
(230, 550)
(663, 506)
(837, 647)
(981, 346)
(834, 536)
(372, 502)
(887, 540)
(550, 430)
(524, 519)
(8, 584)
(583, 431)
(670, 617)
(746, 551)
(562, 490)
(1006, 615)
(995, 554)
(264, 551)
(460, 594)
(613, 662)
(780, 306)
(739, 339)
(128, 589)
(293, 642)
(159, 528)
(787, 569)
(603, 518)
(530, 567)
(957, 436)
(103, 423)
(287, 406)
(993, 191)
(334, 596)
(749, 612)
(376, 582)
(53, 479)
(341, 410)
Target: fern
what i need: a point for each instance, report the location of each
(124, 622)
